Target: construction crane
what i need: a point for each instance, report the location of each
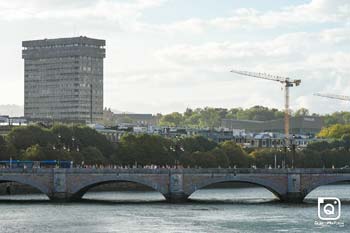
(287, 82)
(331, 96)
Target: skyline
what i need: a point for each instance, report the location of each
(185, 54)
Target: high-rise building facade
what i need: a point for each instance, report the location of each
(63, 79)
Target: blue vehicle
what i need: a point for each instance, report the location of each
(36, 164)
(56, 163)
(17, 163)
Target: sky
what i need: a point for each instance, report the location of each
(167, 55)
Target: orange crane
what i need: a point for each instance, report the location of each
(287, 82)
(331, 96)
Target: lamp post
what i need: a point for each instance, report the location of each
(176, 149)
(293, 151)
(285, 156)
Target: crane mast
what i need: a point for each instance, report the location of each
(287, 82)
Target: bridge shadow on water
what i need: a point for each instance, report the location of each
(243, 202)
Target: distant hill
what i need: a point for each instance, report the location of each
(12, 110)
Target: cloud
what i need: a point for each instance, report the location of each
(104, 9)
(315, 12)
(281, 49)
(318, 58)
(302, 49)
(149, 70)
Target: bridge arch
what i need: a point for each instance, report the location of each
(278, 191)
(325, 181)
(43, 188)
(79, 191)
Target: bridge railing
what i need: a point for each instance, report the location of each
(172, 171)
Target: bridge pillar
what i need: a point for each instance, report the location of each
(296, 197)
(59, 187)
(294, 193)
(62, 197)
(176, 197)
(176, 192)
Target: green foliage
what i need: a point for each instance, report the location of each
(34, 152)
(266, 157)
(145, 149)
(197, 143)
(61, 142)
(302, 112)
(174, 119)
(23, 137)
(202, 159)
(335, 131)
(221, 157)
(211, 117)
(3, 148)
(236, 155)
(93, 155)
(81, 143)
(336, 118)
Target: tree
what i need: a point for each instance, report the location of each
(302, 112)
(3, 149)
(318, 146)
(220, 157)
(210, 118)
(193, 120)
(174, 119)
(35, 153)
(310, 159)
(346, 141)
(336, 118)
(197, 143)
(264, 157)
(335, 131)
(93, 155)
(236, 155)
(145, 149)
(259, 113)
(232, 113)
(85, 137)
(25, 136)
(188, 113)
(203, 159)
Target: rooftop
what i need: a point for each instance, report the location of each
(73, 41)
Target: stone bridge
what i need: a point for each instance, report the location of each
(176, 185)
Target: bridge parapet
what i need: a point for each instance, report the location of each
(180, 170)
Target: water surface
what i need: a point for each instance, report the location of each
(250, 209)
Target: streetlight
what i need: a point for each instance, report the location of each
(293, 150)
(176, 149)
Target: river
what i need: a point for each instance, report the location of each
(252, 209)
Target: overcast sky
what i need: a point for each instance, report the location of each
(166, 55)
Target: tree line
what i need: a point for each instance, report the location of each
(212, 117)
(81, 143)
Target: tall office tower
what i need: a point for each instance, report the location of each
(63, 79)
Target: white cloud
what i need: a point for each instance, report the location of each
(315, 12)
(147, 70)
(104, 9)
